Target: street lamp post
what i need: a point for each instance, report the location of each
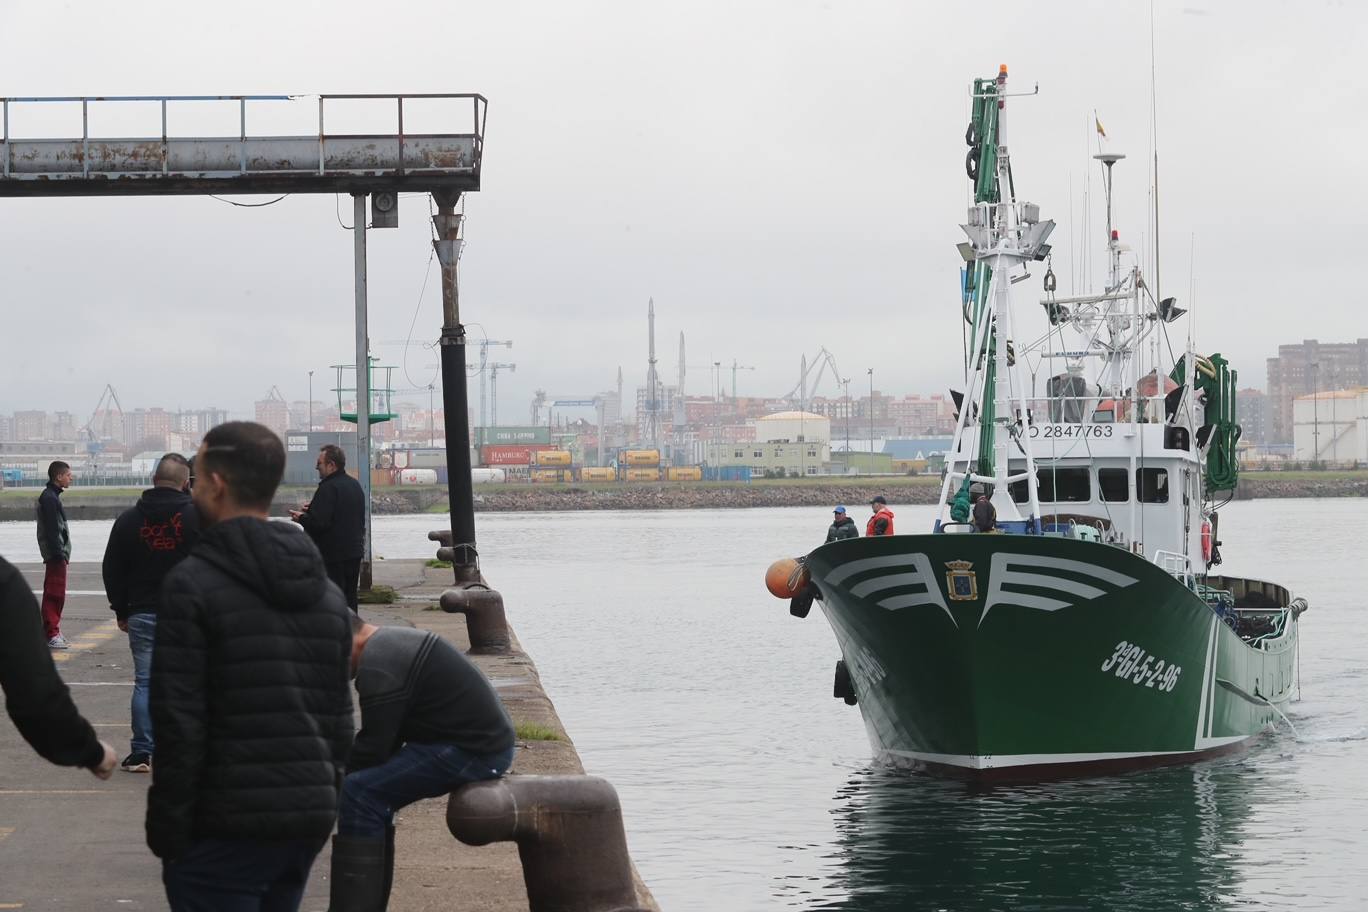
(846, 384)
(717, 415)
(871, 419)
(1315, 412)
(1334, 409)
(432, 433)
(310, 402)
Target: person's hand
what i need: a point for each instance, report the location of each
(123, 624)
(105, 769)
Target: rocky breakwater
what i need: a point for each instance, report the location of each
(686, 497)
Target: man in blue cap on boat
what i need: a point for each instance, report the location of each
(842, 527)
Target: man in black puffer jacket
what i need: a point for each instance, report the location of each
(250, 693)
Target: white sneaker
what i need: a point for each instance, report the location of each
(58, 642)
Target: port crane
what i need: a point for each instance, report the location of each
(823, 361)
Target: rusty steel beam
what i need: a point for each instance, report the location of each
(159, 164)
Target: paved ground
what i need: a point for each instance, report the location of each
(73, 843)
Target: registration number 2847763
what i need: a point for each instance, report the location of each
(1133, 662)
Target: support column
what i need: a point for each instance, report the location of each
(363, 444)
(465, 558)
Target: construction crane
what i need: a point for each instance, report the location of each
(494, 369)
(734, 368)
(102, 409)
(822, 360)
(486, 368)
(482, 367)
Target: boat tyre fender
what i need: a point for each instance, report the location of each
(842, 688)
(971, 165)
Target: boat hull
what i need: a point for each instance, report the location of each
(1013, 656)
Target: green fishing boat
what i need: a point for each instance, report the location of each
(1078, 625)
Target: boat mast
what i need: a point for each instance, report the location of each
(1003, 234)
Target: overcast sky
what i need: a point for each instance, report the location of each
(779, 176)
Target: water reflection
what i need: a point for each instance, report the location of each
(1159, 840)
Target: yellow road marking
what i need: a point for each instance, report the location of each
(11, 905)
(88, 640)
(5, 831)
(52, 791)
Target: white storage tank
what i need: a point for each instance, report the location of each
(488, 476)
(417, 476)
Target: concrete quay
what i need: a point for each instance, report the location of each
(70, 842)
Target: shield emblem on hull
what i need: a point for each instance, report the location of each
(961, 582)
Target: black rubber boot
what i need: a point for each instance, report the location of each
(358, 875)
(389, 866)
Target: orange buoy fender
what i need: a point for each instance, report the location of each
(785, 578)
(1206, 540)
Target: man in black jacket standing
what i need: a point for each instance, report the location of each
(38, 702)
(250, 693)
(336, 520)
(54, 545)
(145, 543)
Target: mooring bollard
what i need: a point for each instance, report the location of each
(486, 624)
(569, 835)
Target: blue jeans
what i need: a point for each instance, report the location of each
(142, 632)
(370, 797)
(231, 875)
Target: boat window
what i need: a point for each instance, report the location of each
(1114, 485)
(1056, 485)
(1151, 485)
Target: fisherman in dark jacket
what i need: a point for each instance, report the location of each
(430, 722)
(336, 520)
(145, 543)
(842, 527)
(38, 702)
(54, 546)
(251, 700)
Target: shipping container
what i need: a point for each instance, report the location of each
(301, 453)
(597, 473)
(510, 454)
(499, 436)
(641, 458)
(417, 476)
(642, 474)
(552, 458)
(684, 473)
(382, 478)
(424, 458)
(442, 474)
(548, 476)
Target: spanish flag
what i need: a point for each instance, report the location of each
(1100, 132)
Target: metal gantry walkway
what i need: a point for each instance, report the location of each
(158, 163)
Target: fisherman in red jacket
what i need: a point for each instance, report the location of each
(881, 523)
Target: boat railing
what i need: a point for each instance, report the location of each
(1177, 565)
(1096, 408)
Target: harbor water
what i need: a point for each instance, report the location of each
(745, 785)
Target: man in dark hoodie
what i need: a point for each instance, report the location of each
(145, 543)
(250, 698)
(38, 702)
(336, 520)
(54, 546)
